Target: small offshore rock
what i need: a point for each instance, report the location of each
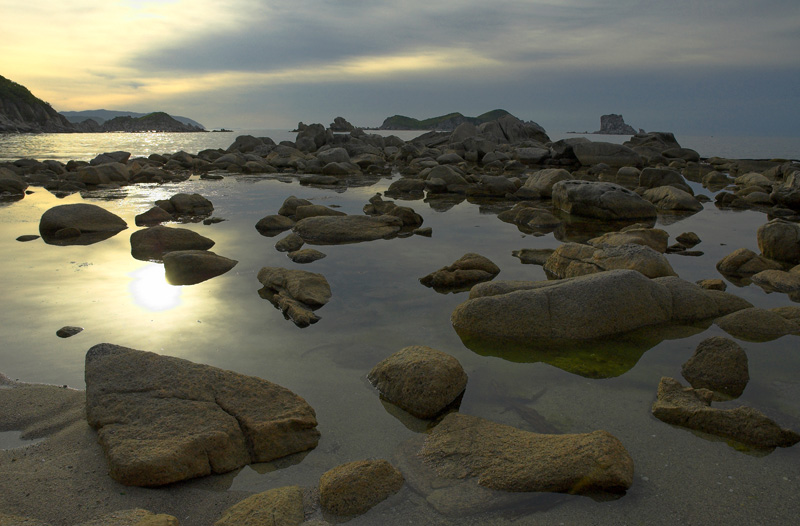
(153, 242)
(273, 225)
(355, 487)
(688, 239)
(468, 270)
(189, 267)
(712, 284)
(297, 293)
(84, 217)
(718, 364)
(153, 216)
(745, 262)
(290, 243)
(28, 237)
(306, 255)
(420, 380)
(67, 331)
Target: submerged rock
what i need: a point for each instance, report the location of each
(355, 487)
(720, 365)
(162, 419)
(420, 380)
(468, 270)
(189, 267)
(297, 293)
(691, 408)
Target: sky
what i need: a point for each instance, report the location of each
(703, 67)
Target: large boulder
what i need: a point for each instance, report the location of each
(745, 262)
(575, 259)
(355, 487)
(161, 419)
(540, 183)
(152, 243)
(297, 293)
(780, 240)
(616, 155)
(462, 274)
(691, 408)
(83, 217)
(600, 200)
(718, 364)
(189, 267)
(673, 199)
(584, 308)
(420, 380)
(330, 230)
(504, 458)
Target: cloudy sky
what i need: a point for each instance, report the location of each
(718, 67)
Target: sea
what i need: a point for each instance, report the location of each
(378, 306)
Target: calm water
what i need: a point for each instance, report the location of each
(378, 307)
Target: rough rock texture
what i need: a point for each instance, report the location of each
(575, 259)
(720, 365)
(186, 205)
(654, 238)
(355, 487)
(162, 419)
(533, 256)
(297, 293)
(291, 243)
(329, 230)
(541, 182)
(378, 207)
(691, 408)
(189, 267)
(585, 308)
(757, 324)
(780, 240)
(272, 225)
(152, 243)
(465, 272)
(591, 153)
(530, 216)
(509, 459)
(133, 517)
(153, 216)
(276, 507)
(778, 280)
(614, 124)
(671, 198)
(306, 255)
(420, 380)
(86, 218)
(745, 262)
(601, 200)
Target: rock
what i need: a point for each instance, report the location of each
(297, 293)
(319, 180)
(340, 124)
(671, 198)
(627, 176)
(583, 308)
(712, 284)
(290, 204)
(306, 255)
(533, 256)
(508, 459)
(406, 187)
(654, 238)
(85, 218)
(189, 267)
(691, 408)
(530, 156)
(777, 281)
(424, 232)
(333, 155)
(154, 216)
(465, 272)
(419, 380)
(756, 324)
(347, 229)
(104, 174)
(530, 216)
(614, 124)
(187, 205)
(616, 155)
(355, 487)
(788, 193)
(161, 419)
(745, 262)
(290, 243)
(780, 240)
(27, 237)
(67, 331)
(276, 507)
(132, 517)
(601, 200)
(541, 182)
(11, 183)
(720, 365)
(152, 243)
(273, 225)
(492, 186)
(407, 215)
(574, 259)
(688, 239)
(656, 177)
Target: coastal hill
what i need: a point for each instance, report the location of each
(447, 122)
(101, 116)
(22, 112)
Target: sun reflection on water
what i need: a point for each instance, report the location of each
(150, 290)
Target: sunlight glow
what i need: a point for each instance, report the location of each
(150, 290)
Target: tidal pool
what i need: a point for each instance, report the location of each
(378, 306)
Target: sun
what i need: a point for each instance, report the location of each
(150, 290)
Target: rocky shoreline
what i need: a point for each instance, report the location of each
(157, 421)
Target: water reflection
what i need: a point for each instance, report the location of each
(150, 290)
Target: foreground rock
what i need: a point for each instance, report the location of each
(189, 267)
(780, 240)
(355, 487)
(744, 262)
(509, 459)
(420, 380)
(162, 419)
(720, 365)
(584, 308)
(574, 259)
(465, 272)
(297, 293)
(691, 408)
(276, 507)
(154, 242)
(335, 230)
(62, 222)
(600, 200)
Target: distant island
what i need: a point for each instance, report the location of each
(22, 112)
(447, 122)
(612, 124)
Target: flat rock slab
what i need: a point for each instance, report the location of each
(297, 293)
(691, 408)
(336, 230)
(162, 419)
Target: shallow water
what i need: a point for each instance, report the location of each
(378, 306)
